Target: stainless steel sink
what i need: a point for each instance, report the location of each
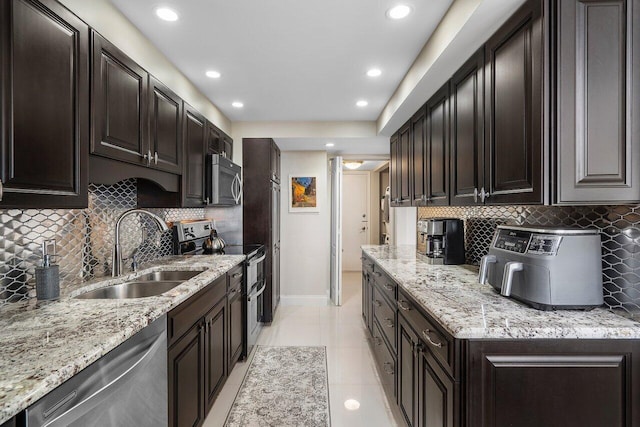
(147, 285)
(170, 276)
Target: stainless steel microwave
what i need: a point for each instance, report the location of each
(223, 181)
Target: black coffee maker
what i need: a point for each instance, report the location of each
(444, 240)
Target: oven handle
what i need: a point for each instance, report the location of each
(258, 293)
(257, 261)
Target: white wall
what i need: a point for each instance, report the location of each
(305, 237)
(114, 26)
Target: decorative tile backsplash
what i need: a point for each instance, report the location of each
(84, 237)
(619, 227)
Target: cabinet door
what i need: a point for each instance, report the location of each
(165, 128)
(438, 147)
(408, 372)
(568, 383)
(236, 321)
(467, 132)
(119, 104)
(513, 107)
(394, 169)
(598, 90)
(215, 145)
(405, 170)
(215, 351)
(420, 175)
(275, 162)
(194, 156)
(437, 394)
(44, 103)
(186, 379)
(228, 147)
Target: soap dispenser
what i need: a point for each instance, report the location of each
(48, 276)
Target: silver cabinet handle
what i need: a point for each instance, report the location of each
(377, 340)
(147, 157)
(484, 267)
(475, 195)
(235, 276)
(206, 201)
(377, 303)
(507, 279)
(377, 273)
(426, 336)
(1, 190)
(155, 157)
(388, 287)
(404, 305)
(390, 323)
(484, 195)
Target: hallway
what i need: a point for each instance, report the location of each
(351, 369)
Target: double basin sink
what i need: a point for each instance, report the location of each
(147, 285)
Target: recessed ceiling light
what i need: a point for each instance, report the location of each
(362, 103)
(166, 14)
(329, 144)
(398, 12)
(352, 404)
(213, 74)
(374, 72)
(237, 104)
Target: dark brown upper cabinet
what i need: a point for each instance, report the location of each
(598, 94)
(165, 128)
(394, 168)
(228, 146)
(218, 142)
(275, 162)
(514, 150)
(437, 112)
(404, 169)
(195, 148)
(44, 105)
(467, 132)
(119, 105)
(419, 157)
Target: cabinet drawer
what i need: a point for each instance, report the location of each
(183, 317)
(385, 314)
(235, 276)
(436, 340)
(385, 361)
(387, 286)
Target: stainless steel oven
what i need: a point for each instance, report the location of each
(256, 285)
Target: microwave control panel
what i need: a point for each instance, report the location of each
(527, 242)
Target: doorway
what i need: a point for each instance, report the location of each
(356, 215)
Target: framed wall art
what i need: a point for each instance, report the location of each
(302, 194)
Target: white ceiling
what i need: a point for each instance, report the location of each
(294, 60)
(342, 146)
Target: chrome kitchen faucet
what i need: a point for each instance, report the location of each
(116, 259)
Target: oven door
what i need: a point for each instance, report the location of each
(254, 314)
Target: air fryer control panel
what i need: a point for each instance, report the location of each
(527, 242)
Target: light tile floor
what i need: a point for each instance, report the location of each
(351, 369)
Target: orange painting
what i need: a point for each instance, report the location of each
(303, 192)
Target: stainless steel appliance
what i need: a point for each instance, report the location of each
(126, 387)
(442, 240)
(546, 267)
(193, 238)
(223, 182)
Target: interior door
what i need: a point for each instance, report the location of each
(336, 231)
(355, 218)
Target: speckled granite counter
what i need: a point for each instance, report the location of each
(44, 344)
(467, 309)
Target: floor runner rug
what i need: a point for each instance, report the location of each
(284, 386)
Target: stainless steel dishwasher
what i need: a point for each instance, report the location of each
(126, 387)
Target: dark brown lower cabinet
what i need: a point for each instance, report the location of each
(205, 342)
(186, 379)
(563, 383)
(215, 351)
(408, 370)
(438, 401)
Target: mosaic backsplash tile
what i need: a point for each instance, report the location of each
(619, 227)
(84, 237)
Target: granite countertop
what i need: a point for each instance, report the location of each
(469, 310)
(43, 344)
